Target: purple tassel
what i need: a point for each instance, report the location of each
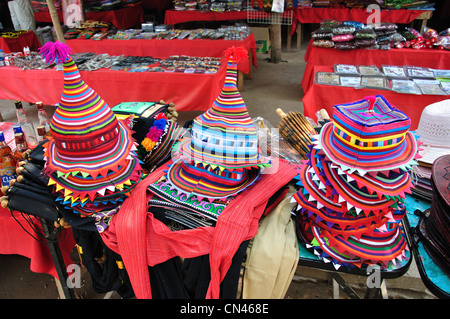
(55, 52)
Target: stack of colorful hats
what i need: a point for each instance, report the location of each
(90, 158)
(220, 159)
(353, 184)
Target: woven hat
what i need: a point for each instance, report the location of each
(369, 135)
(349, 204)
(156, 137)
(350, 215)
(225, 135)
(221, 158)
(91, 153)
(434, 131)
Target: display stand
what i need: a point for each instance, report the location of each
(308, 259)
(412, 204)
(51, 235)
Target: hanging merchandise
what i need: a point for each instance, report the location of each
(205, 206)
(26, 124)
(353, 185)
(219, 160)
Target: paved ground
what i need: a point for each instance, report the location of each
(272, 86)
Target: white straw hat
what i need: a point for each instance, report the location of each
(434, 131)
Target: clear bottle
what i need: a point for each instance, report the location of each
(42, 134)
(26, 124)
(7, 162)
(43, 118)
(21, 147)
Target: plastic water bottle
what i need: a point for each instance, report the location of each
(27, 125)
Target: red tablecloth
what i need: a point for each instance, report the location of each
(175, 17)
(124, 18)
(314, 56)
(29, 39)
(164, 48)
(326, 96)
(188, 91)
(15, 241)
(316, 15)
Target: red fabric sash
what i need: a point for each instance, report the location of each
(143, 240)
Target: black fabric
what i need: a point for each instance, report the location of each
(105, 275)
(32, 201)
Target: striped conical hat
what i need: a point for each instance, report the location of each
(225, 135)
(222, 157)
(90, 151)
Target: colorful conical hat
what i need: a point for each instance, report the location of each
(221, 158)
(225, 135)
(90, 150)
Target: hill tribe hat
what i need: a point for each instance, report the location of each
(369, 135)
(347, 214)
(222, 157)
(156, 137)
(434, 131)
(90, 158)
(434, 134)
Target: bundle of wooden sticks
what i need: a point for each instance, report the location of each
(297, 130)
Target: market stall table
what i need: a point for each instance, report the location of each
(123, 18)
(316, 56)
(321, 96)
(188, 91)
(163, 47)
(27, 39)
(181, 16)
(316, 15)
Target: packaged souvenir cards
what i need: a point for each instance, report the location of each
(394, 71)
(374, 82)
(369, 70)
(346, 69)
(405, 86)
(431, 87)
(352, 81)
(327, 78)
(419, 72)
